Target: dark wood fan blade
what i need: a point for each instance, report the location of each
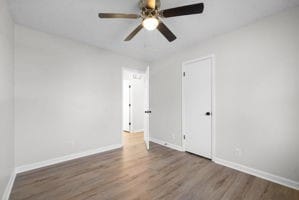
(184, 10)
(118, 15)
(151, 4)
(134, 33)
(166, 32)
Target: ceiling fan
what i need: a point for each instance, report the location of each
(151, 16)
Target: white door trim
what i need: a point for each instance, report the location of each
(146, 133)
(122, 104)
(213, 145)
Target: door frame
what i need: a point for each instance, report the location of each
(130, 107)
(213, 90)
(123, 69)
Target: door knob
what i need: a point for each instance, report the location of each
(148, 111)
(208, 113)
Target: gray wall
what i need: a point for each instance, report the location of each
(257, 94)
(68, 96)
(6, 95)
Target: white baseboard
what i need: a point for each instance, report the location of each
(9, 186)
(258, 173)
(166, 144)
(46, 163)
(137, 131)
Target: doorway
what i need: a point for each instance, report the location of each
(135, 105)
(197, 106)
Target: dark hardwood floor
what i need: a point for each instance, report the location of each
(135, 173)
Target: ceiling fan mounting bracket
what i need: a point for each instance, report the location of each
(143, 3)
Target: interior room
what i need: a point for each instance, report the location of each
(149, 99)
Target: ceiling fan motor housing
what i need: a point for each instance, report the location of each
(146, 13)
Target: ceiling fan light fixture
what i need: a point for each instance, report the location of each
(150, 23)
(150, 14)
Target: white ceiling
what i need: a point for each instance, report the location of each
(78, 19)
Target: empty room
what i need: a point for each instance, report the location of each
(149, 100)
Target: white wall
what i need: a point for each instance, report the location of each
(138, 89)
(6, 96)
(257, 94)
(68, 96)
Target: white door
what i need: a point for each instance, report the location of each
(197, 107)
(146, 108)
(126, 106)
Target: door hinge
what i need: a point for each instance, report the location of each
(184, 74)
(129, 123)
(184, 137)
(129, 86)
(130, 105)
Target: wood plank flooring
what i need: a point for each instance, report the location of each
(135, 173)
